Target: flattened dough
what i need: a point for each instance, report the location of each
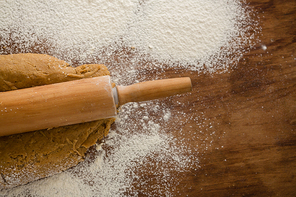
(34, 155)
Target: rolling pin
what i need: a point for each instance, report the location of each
(72, 102)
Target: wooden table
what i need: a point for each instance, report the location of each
(245, 129)
(253, 112)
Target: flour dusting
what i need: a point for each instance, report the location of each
(115, 170)
(191, 33)
(73, 29)
(133, 38)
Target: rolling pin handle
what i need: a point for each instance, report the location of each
(150, 90)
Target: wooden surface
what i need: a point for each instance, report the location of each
(253, 111)
(246, 131)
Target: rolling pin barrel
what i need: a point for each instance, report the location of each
(56, 105)
(78, 101)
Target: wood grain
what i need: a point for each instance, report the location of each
(252, 111)
(253, 108)
(247, 142)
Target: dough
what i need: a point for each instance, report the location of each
(30, 156)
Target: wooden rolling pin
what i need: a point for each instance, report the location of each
(76, 101)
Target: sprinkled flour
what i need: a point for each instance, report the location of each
(192, 33)
(132, 37)
(73, 29)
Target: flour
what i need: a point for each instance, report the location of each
(191, 33)
(73, 29)
(132, 37)
(114, 170)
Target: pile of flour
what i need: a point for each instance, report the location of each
(191, 33)
(128, 35)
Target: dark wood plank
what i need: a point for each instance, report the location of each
(253, 111)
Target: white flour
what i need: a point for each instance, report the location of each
(129, 36)
(73, 29)
(190, 32)
(128, 150)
